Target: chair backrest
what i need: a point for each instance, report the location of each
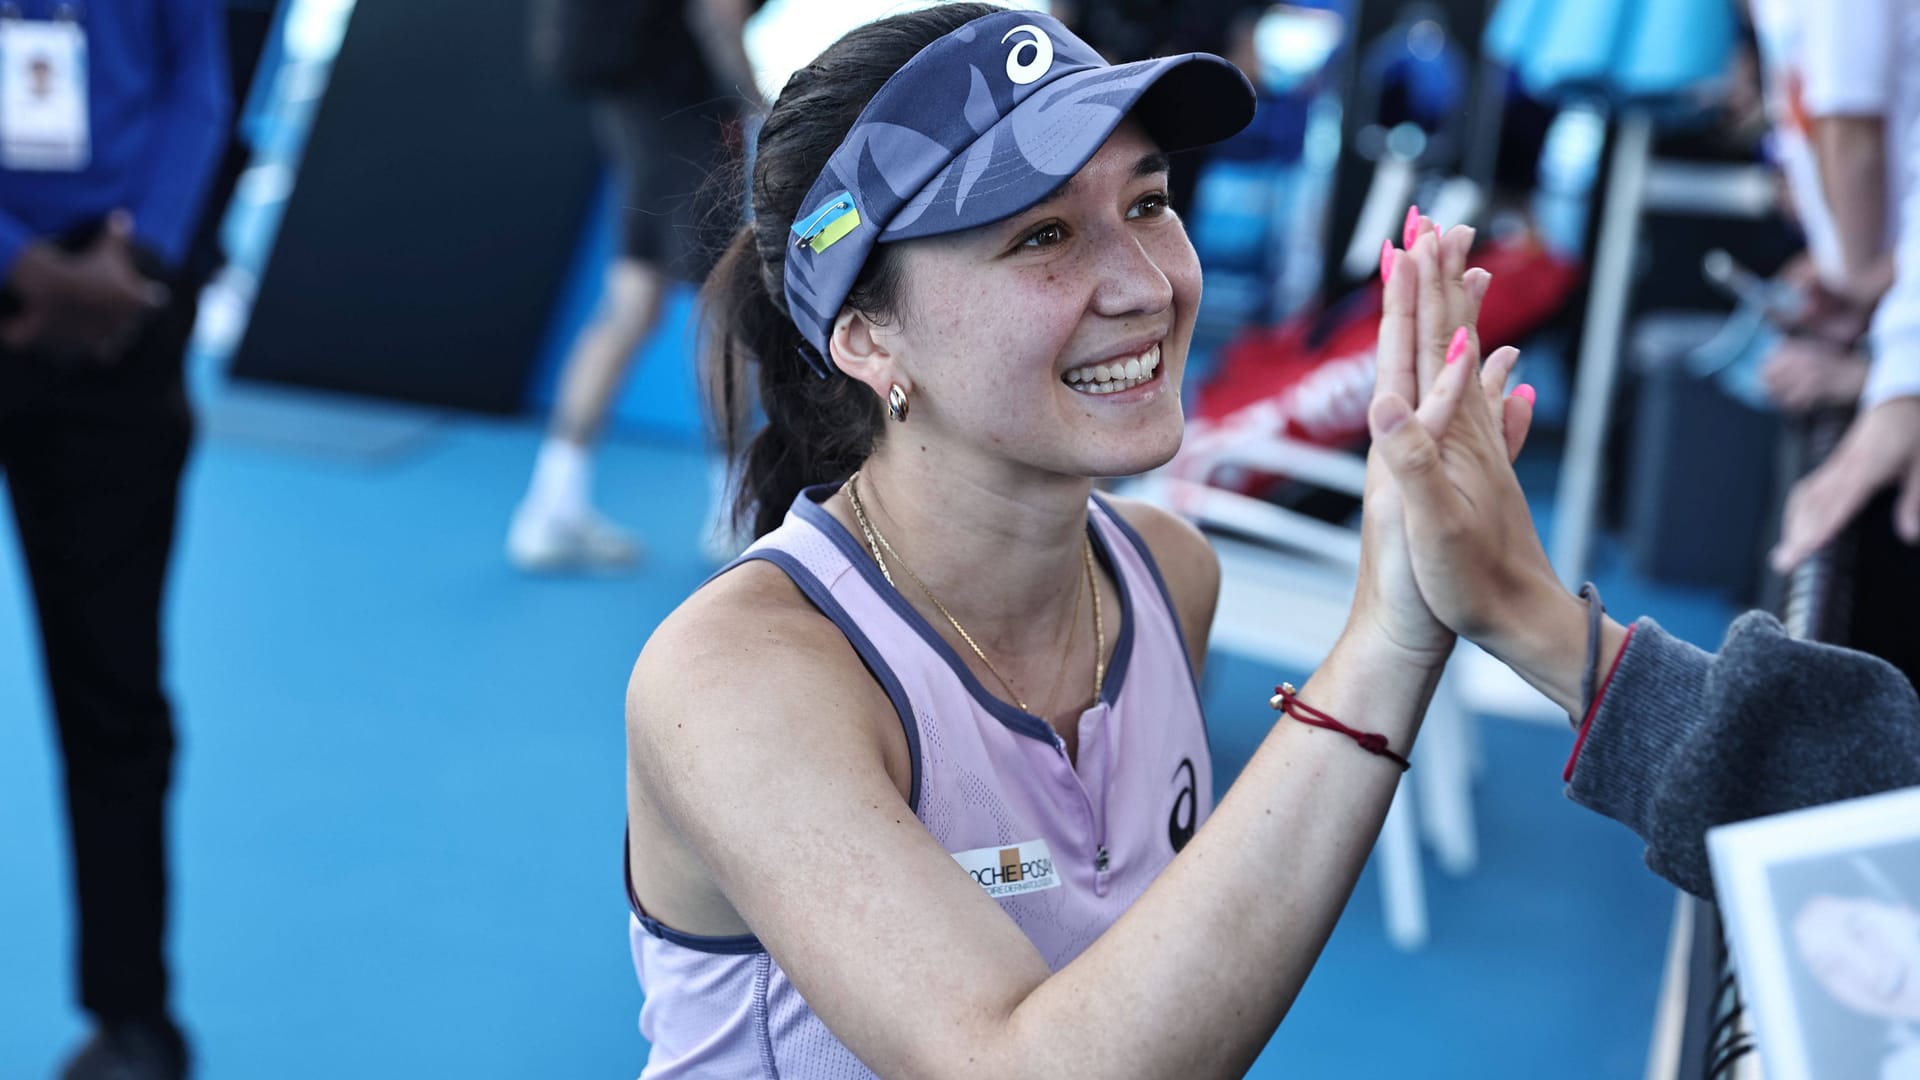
(1286, 578)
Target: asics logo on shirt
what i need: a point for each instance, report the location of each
(1032, 55)
(1180, 827)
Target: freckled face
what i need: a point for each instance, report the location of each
(1057, 338)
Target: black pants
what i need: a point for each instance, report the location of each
(92, 457)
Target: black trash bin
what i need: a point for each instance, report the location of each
(1701, 468)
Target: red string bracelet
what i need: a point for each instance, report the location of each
(1287, 700)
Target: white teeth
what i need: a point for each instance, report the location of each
(1112, 385)
(1119, 375)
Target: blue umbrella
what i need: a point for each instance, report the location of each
(1624, 50)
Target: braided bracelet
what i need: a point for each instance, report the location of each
(1286, 700)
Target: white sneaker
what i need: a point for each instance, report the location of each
(541, 541)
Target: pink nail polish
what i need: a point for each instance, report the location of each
(1410, 232)
(1458, 345)
(1524, 392)
(1386, 260)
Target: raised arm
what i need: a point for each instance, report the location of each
(1676, 740)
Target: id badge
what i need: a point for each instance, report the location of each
(43, 96)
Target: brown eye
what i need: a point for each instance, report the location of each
(1152, 204)
(1045, 236)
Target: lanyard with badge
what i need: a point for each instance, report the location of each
(43, 91)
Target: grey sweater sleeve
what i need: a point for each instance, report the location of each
(1686, 740)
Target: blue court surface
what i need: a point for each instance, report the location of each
(399, 804)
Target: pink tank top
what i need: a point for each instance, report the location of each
(1063, 850)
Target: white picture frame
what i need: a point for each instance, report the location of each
(1818, 906)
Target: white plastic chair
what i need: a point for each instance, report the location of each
(1286, 587)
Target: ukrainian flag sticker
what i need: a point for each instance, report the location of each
(825, 226)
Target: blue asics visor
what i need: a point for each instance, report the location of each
(978, 126)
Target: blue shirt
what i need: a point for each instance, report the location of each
(159, 106)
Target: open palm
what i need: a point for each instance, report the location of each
(1429, 310)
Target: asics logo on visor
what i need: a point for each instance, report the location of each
(1032, 55)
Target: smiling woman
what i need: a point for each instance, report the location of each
(1846, 998)
(1864, 951)
(920, 785)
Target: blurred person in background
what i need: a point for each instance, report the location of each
(1128, 30)
(1881, 448)
(669, 81)
(1843, 95)
(1847, 77)
(103, 170)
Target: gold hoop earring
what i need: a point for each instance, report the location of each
(897, 404)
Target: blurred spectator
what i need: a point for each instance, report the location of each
(1805, 373)
(1847, 112)
(1843, 101)
(1881, 449)
(1127, 30)
(100, 193)
(668, 81)
(248, 25)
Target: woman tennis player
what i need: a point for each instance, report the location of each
(920, 785)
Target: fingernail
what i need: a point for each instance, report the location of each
(1410, 232)
(1524, 392)
(1390, 414)
(1386, 260)
(1458, 345)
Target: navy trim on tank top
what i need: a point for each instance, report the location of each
(807, 506)
(1173, 613)
(820, 597)
(1166, 596)
(763, 1016)
(729, 944)
(869, 655)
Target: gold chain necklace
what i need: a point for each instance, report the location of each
(1060, 673)
(877, 540)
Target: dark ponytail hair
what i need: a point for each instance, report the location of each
(816, 430)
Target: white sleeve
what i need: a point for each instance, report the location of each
(1894, 374)
(1893, 338)
(1849, 56)
(1895, 341)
